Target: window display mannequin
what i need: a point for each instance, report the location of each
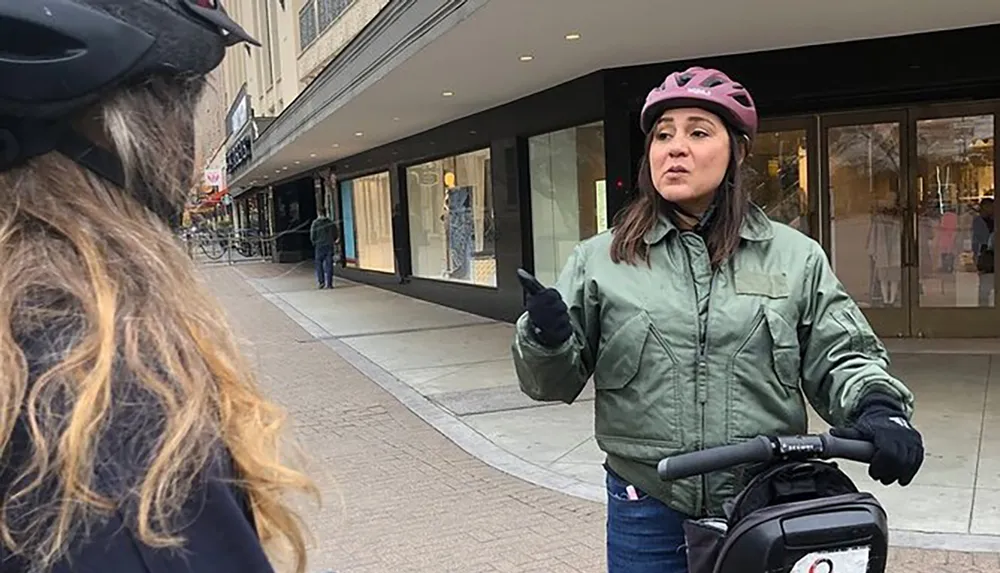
(884, 238)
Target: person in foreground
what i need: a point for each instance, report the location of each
(134, 437)
(703, 323)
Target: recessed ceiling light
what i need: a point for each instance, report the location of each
(277, 171)
(573, 36)
(336, 145)
(447, 94)
(312, 155)
(526, 58)
(358, 133)
(395, 119)
(285, 168)
(298, 163)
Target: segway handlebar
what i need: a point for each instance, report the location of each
(763, 449)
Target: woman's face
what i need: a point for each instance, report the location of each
(688, 157)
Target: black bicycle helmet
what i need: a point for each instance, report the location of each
(59, 56)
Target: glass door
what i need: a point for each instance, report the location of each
(953, 179)
(865, 203)
(784, 174)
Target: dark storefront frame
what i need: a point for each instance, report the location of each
(863, 75)
(291, 234)
(791, 86)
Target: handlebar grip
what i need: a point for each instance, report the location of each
(854, 450)
(715, 459)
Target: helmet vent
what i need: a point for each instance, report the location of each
(25, 41)
(712, 82)
(742, 100)
(684, 79)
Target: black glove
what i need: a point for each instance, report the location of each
(549, 317)
(899, 448)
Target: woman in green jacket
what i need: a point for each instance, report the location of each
(704, 323)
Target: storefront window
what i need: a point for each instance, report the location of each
(866, 211)
(366, 214)
(451, 219)
(780, 181)
(251, 212)
(955, 164)
(568, 199)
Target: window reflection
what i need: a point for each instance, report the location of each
(451, 219)
(780, 177)
(866, 224)
(367, 220)
(955, 164)
(568, 195)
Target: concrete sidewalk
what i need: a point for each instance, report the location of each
(453, 370)
(397, 495)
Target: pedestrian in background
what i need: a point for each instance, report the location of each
(322, 234)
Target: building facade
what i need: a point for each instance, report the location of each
(457, 140)
(252, 87)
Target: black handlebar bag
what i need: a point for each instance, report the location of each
(794, 517)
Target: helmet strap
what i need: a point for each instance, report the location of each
(108, 166)
(21, 139)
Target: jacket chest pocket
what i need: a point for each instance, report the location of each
(764, 394)
(785, 353)
(638, 402)
(771, 339)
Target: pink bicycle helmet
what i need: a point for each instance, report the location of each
(705, 88)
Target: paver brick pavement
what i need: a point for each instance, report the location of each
(400, 497)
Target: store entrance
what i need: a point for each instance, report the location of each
(904, 191)
(899, 208)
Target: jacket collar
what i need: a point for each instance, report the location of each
(756, 227)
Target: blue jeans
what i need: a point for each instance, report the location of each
(324, 266)
(644, 535)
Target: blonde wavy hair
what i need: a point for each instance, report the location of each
(132, 344)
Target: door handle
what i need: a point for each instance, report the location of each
(905, 255)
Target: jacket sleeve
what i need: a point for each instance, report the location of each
(842, 359)
(559, 374)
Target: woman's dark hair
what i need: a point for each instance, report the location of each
(723, 235)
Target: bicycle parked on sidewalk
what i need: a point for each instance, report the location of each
(800, 514)
(215, 244)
